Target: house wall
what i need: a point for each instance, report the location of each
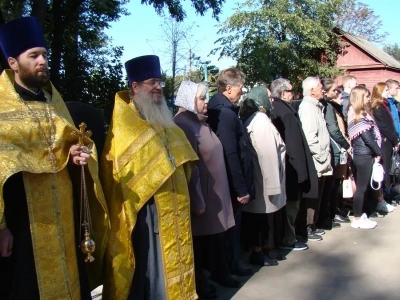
(370, 77)
(353, 57)
(365, 68)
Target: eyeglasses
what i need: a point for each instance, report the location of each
(154, 83)
(289, 91)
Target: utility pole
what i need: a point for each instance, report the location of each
(206, 79)
(190, 63)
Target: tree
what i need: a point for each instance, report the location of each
(281, 38)
(393, 50)
(176, 11)
(359, 19)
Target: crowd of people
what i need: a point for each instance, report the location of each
(170, 197)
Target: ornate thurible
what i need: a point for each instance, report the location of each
(87, 245)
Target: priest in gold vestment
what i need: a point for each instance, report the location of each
(146, 168)
(39, 219)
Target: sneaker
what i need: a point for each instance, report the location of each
(362, 223)
(389, 207)
(341, 219)
(336, 225)
(312, 237)
(296, 246)
(364, 216)
(382, 208)
(319, 231)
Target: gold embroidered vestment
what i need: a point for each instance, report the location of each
(48, 187)
(135, 168)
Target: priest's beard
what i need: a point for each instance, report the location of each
(154, 109)
(34, 79)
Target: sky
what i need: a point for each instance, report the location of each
(141, 33)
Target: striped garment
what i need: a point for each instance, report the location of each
(365, 123)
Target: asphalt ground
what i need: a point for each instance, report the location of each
(347, 264)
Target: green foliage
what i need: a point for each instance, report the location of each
(393, 50)
(176, 11)
(282, 38)
(359, 19)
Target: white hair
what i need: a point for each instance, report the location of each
(308, 84)
(202, 90)
(154, 109)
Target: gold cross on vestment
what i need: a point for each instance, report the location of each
(82, 133)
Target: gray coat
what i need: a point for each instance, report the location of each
(209, 187)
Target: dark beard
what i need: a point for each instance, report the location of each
(33, 79)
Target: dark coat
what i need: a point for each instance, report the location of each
(224, 121)
(299, 161)
(384, 121)
(334, 133)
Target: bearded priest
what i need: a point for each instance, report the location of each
(146, 169)
(40, 230)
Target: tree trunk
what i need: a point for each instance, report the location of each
(39, 9)
(3, 61)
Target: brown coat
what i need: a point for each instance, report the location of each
(208, 188)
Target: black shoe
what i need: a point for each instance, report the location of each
(208, 294)
(259, 259)
(336, 225)
(374, 215)
(312, 237)
(228, 282)
(296, 246)
(341, 219)
(211, 288)
(274, 255)
(239, 271)
(319, 231)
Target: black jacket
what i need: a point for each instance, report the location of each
(224, 121)
(365, 144)
(334, 132)
(384, 120)
(299, 162)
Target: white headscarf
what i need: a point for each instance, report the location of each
(186, 96)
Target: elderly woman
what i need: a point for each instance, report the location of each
(209, 189)
(261, 216)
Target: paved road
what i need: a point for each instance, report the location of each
(348, 264)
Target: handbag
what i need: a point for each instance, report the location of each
(394, 164)
(343, 153)
(349, 187)
(378, 175)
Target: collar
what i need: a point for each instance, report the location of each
(312, 101)
(28, 95)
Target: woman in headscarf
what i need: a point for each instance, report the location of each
(262, 218)
(209, 190)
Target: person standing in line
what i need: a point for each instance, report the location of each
(146, 167)
(314, 126)
(40, 226)
(211, 207)
(224, 121)
(338, 144)
(301, 175)
(365, 139)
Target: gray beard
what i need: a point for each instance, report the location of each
(154, 110)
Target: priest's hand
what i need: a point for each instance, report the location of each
(78, 155)
(6, 242)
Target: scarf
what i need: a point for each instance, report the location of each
(186, 96)
(364, 124)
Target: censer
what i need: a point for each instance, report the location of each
(87, 245)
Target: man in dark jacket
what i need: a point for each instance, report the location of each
(301, 176)
(224, 121)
